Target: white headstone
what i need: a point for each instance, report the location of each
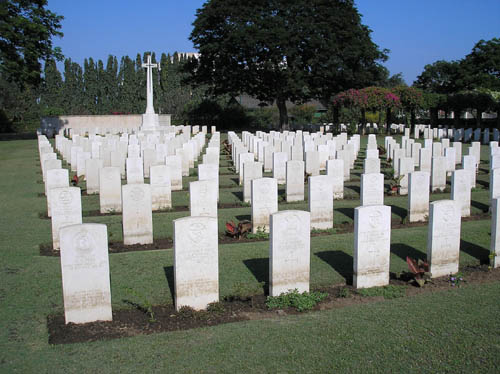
(137, 214)
(175, 165)
(372, 243)
(443, 243)
(92, 168)
(425, 160)
(209, 172)
(418, 196)
(251, 170)
(438, 174)
(264, 202)
(66, 208)
(371, 165)
(469, 163)
(203, 198)
(294, 181)
(196, 262)
(110, 198)
(406, 166)
(495, 233)
(335, 170)
(56, 178)
(279, 166)
(460, 190)
(135, 171)
(85, 273)
(161, 190)
(372, 189)
(321, 202)
(289, 252)
(312, 163)
(50, 165)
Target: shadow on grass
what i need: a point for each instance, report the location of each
(236, 181)
(402, 250)
(399, 211)
(169, 274)
(238, 194)
(243, 217)
(356, 189)
(474, 250)
(260, 270)
(483, 207)
(340, 261)
(485, 184)
(348, 212)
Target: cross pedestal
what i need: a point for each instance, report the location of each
(150, 119)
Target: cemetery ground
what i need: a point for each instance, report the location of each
(440, 328)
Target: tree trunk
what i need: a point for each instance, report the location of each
(388, 121)
(412, 121)
(456, 118)
(336, 119)
(281, 103)
(433, 116)
(363, 121)
(478, 118)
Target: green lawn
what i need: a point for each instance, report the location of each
(455, 331)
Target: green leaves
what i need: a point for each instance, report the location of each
(281, 50)
(26, 30)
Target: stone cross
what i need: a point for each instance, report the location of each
(149, 88)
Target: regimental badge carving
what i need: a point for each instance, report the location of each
(84, 242)
(137, 194)
(375, 219)
(448, 213)
(196, 232)
(65, 197)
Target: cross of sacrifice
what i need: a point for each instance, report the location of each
(149, 85)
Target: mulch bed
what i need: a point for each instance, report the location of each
(137, 321)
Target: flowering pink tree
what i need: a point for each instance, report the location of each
(368, 98)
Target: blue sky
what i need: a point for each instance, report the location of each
(417, 32)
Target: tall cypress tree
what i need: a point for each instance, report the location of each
(140, 81)
(90, 86)
(72, 93)
(51, 90)
(101, 91)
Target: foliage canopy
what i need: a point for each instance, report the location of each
(26, 31)
(279, 50)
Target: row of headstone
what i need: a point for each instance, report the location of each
(371, 261)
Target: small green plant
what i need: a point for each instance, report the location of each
(456, 280)
(300, 301)
(491, 256)
(394, 184)
(216, 307)
(325, 231)
(144, 304)
(261, 234)
(245, 204)
(186, 312)
(388, 292)
(344, 293)
(244, 291)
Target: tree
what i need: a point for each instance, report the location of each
(279, 50)
(412, 99)
(482, 66)
(442, 77)
(26, 31)
(51, 90)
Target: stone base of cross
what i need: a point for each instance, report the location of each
(150, 121)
